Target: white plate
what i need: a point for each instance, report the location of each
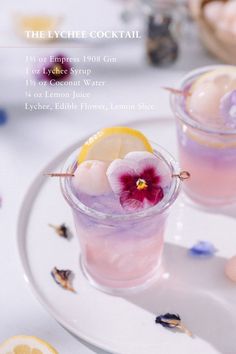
(195, 288)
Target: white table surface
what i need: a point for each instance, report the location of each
(30, 140)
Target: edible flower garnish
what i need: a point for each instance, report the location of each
(172, 321)
(139, 179)
(228, 108)
(62, 277)
(203, 249)
(58, 69)
(62, 230)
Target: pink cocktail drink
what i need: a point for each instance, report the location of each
(207, 144)
(120, 248)
(213, 170)
(121, 253)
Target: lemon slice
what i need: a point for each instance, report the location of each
(26, 345)
(38, 22)
(112, 143)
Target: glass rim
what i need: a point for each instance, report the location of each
(184, 116)
(159, 208)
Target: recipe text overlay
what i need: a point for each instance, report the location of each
(78, 83)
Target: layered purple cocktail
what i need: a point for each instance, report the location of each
(120, 206)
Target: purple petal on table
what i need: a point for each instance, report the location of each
(203, 249)
(228, 109)
(168, 320)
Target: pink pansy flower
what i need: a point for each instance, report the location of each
(139, 179)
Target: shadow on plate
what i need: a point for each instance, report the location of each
(199, 292)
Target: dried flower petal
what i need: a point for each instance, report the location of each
(170, 320)
(62, 230)
(175, 91)
(62, 277)
(203, 249)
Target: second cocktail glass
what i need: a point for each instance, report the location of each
(208, 153)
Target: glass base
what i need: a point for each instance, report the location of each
(140, 283)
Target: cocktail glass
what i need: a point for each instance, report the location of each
(208, 154)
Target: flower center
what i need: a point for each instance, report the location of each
(141, 184)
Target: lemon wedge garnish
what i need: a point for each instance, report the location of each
(112, 143)
(26, 345)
